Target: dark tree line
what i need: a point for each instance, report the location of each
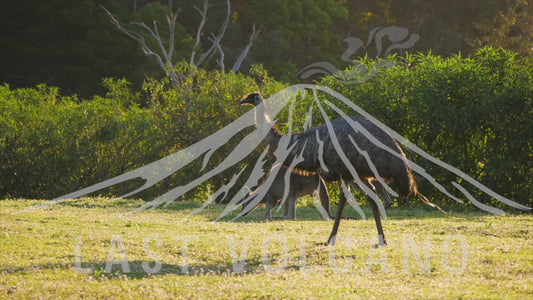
(73, 44)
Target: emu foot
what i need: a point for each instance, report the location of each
(382, 242)
(331, 241)
(375, 246)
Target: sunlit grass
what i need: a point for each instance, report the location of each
(63, 251)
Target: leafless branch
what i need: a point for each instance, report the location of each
(164, 56)
(220, 61)
(146, 49)
(135, 36)
(156, 36)
(172, 19)
(218, 38)
(245, 51)
(203, 14)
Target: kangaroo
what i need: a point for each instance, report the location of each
(300, 185)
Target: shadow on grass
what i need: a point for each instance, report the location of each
(311, 213)
(137, 271)
(146, 269)
(103, 202)
(213, 211)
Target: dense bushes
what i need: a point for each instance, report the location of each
(51, 145)
(473, 113)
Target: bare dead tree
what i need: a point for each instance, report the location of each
(220, 61)
(214, 39)
(203, 14)
(164, 54)
(244, 53)
(165, 62)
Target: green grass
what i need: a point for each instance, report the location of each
(468, 255)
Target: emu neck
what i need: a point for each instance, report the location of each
(264, 121)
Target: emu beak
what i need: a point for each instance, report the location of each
(246, 100)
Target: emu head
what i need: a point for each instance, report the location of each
(261, 116)
(253, 99)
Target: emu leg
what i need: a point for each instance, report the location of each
(377, 218)
(333, 235)
(324, 197)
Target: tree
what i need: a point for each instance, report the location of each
(294, 33)
(63, 43)
(165, 57)
(448, 27)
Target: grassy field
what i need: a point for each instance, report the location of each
(95, 248)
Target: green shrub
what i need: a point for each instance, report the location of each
(51, 145)
(475, 113)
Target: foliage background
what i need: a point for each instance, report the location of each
(51, 143)
(73, 45)
(471, 112)
(79, 103)
(474, 113)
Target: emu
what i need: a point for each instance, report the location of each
(315, 142)
(300, 184)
